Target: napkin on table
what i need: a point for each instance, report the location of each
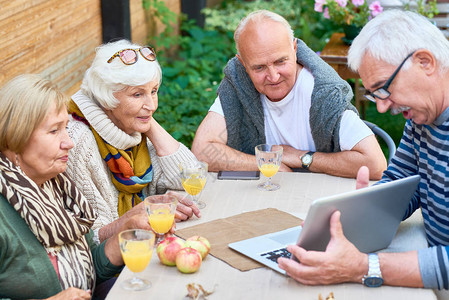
(222, 232)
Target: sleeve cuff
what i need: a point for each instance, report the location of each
(428, 266)
(96, 236)
(104, 268)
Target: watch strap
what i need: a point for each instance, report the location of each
(373, 271)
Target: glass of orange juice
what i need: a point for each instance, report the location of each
(269, 158)
(193, 178)
(161, 213)
(136, 246)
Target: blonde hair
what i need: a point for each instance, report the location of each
(24, 103)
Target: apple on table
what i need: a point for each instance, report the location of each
(188, 260)
(199, 243)
(168, 248)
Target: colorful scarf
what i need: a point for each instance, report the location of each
(59, 216)
(131, 168)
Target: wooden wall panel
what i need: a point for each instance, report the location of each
(142, 23)
(58, 38)
(52, 37)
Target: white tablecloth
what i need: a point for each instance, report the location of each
(227, 198)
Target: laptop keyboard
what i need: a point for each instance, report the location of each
(275, 254)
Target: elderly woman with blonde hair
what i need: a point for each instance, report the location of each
(46, 246)
(121, 153)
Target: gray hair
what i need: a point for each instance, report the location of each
(394, 34)
(103, 79)
(260, 16)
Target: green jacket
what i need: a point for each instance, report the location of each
(25, 268)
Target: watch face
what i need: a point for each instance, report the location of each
(373, 281)
(307, 159)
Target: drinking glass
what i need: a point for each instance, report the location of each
(136, 246)
(193, 177)
(161, 213)
(269, 158)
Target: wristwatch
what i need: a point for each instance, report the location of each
(374, 276)
(306, 160)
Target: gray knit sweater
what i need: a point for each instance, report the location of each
(243, 109)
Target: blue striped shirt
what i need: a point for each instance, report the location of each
(424, 150)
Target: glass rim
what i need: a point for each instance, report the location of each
(136, 230)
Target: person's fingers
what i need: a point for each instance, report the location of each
(185, 199)
(336, 230)
(196, 210)
(362, 177)
(183, 209)
(306, 258)
(179, 216)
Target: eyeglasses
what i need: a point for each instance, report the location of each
(129, 56)
(382, 93)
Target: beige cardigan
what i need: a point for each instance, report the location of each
(90, 173)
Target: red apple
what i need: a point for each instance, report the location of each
(188, 260)
(167, 250)
(198, 243)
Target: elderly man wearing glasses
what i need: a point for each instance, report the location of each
(121, 153)
(278, 91)
(403, 60)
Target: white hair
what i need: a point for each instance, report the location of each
(260, 16)
(103, 79)
(394, 34)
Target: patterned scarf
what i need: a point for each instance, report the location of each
(131, 168)
(59, 216)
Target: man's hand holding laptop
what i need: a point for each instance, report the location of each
(343, 262)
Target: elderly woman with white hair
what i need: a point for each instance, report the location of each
(121, 153)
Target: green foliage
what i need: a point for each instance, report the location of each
(349, 14)
(428, 9)
(190, 77)
(160, 11)
(312, 28)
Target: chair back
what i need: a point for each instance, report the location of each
(385, 136)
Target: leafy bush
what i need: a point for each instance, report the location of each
(311, 27)
(190, 77)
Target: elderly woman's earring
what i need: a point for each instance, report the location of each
(17, 162)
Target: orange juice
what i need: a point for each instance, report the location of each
(161, 220)
(269, 170)
(194, 185)
(137, 255)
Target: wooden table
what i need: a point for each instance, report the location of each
(335, 53)
(226, 198)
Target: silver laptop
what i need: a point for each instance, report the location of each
(370, 218)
